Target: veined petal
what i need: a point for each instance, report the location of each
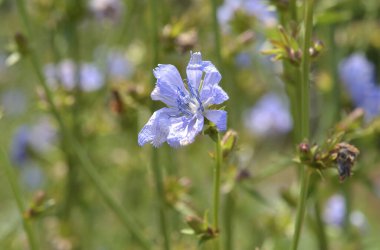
(168, 83)
(213, 95)
(218, 117)
(212, 76)
(194, 70)
(183, 130)
(156, 130)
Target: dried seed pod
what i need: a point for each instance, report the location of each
(344, 155)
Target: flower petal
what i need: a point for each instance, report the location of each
(157, 128)
(184, 130)
(212, 76)
(213, 95)
(218, 117)
(194, 70)
(168, 83)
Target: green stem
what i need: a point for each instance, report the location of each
(155, 157)
(229, 212)
(291, 76)
(321, 233)
(305, 68)
(305, 177)
(216, 32)
(216, 198)
(70, 143)
(304, 116)
(161, 199)
(293, 10)
(20, 203)
(333, 60)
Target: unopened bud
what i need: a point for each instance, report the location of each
(21, 43)
(316, 49)
(229, 142)
(196, 224)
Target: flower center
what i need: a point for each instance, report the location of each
(189, 104)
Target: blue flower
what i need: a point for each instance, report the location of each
(19, 147)
(30, 140)
(335, 210)
(188, 104)
(358, 76)
(257, 8)
(119, 66)
(64, 73)
(269, 116)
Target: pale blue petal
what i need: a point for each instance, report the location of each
(157, 128)
(168, 83)
(218, 117)
(183, 130)
(194, 70)
(212, 75)
(213, 95)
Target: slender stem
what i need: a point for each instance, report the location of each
(305, 67)
(163, 222)
(216, 30)
(293, 10)
(321, 233)
(305, 177)
(291, 75)
(69, 142)
(28, 228)
(229, 212)
(305, 124)
(216, 198)
(154, 31)
(335, 100)
(161, 199)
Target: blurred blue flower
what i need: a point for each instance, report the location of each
(358, 76)
(118, 66)
(91, 78)
(188, 104)
(257, 8)
(42, 135)
(38, 138)
(19, 146)
(107, 9)
(243, 60)
(335, 210)
(64, 73)
(270, 116)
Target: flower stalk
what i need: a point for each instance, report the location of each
(216, 196)
(28, 228)
(157, 172)
(216, 32)
(304, 117)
